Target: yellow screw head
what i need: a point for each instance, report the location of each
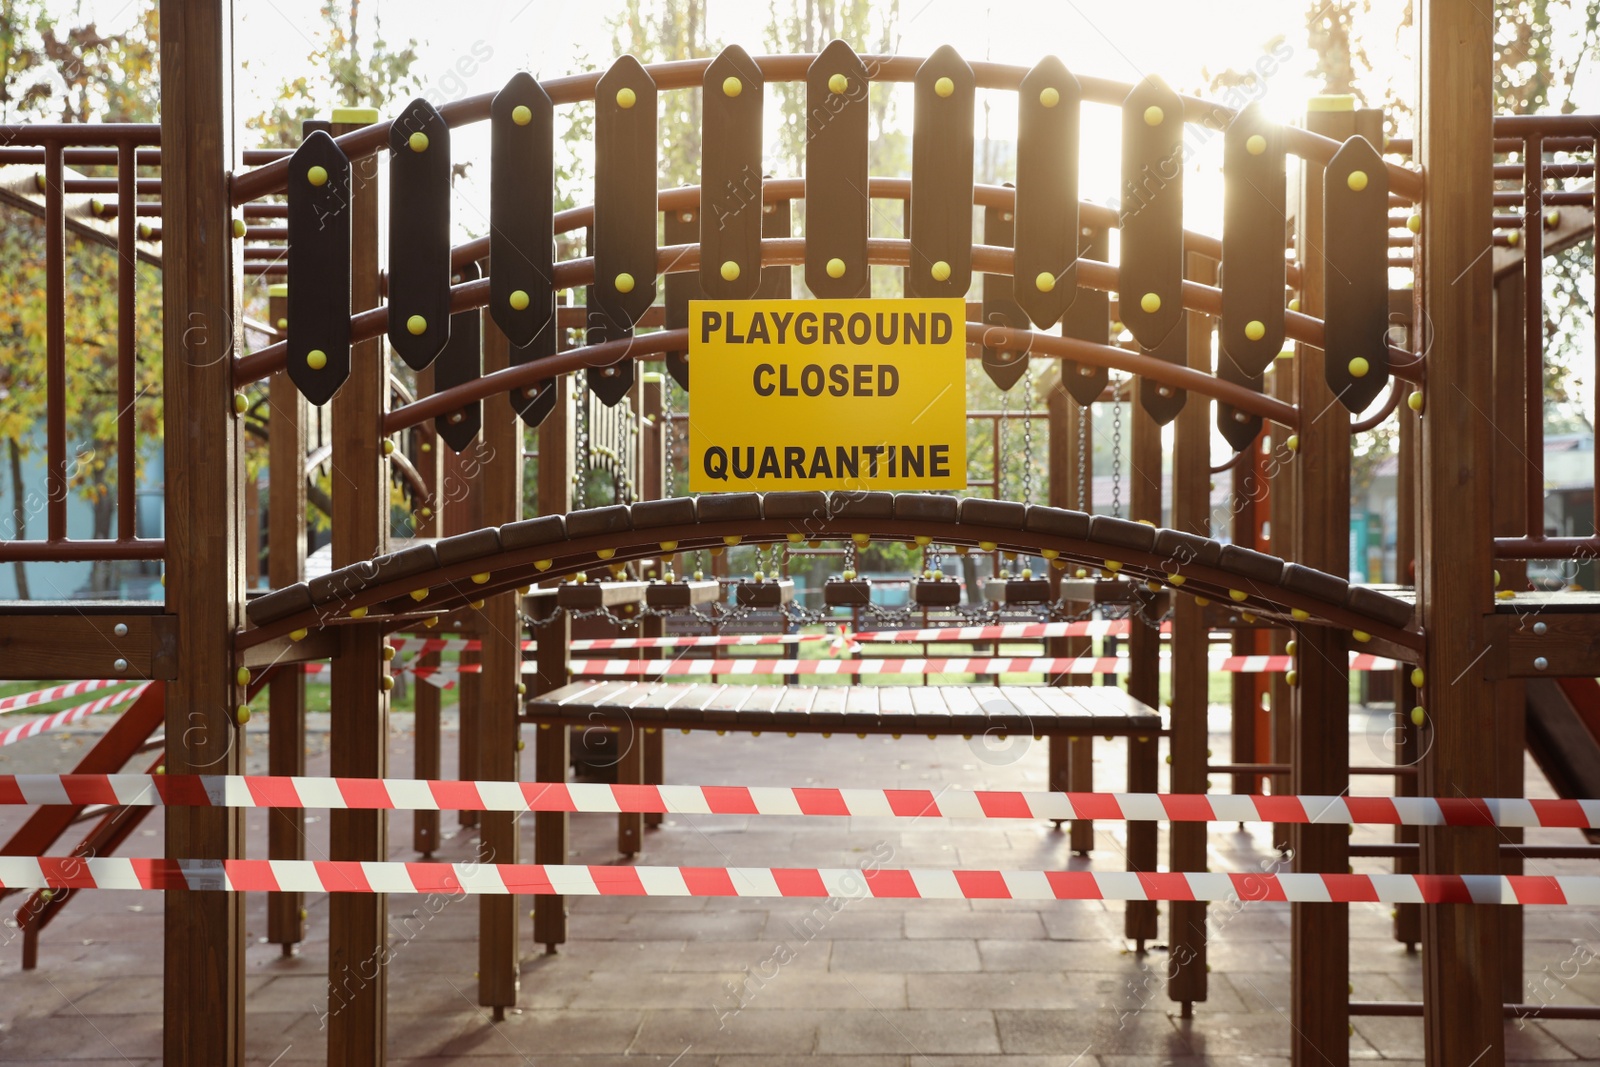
(1552, 217)
(1414, 223)
(668, 546)
(836, 266)
(1150, 303)
(1418, 716)
(944, 87)
(605, 553)
(1361, 636)
(624, 283)
(1113, 566)
(521, 115)
(388, 447)
(1255, 144)
(1255, 329)
(388, 653)
(388, 683)
(518, 300)
(1299, 614)
(238, 227)
(543, 564)
(731, 539)
(1045, 282)
(425, 512)
(242, 714)
(1290, 646)
(732, 86)
(1357, 181)
(1154, 116)
(1513, 238)
(1293, 442)
(1359, 367)
(418, 141)
(317, 176)
(477, 605)
(316, 359)
(241, 403)
(1294, 305)
(626, 98)
(1292, 677)
(419, 595)
(358, 613)
(480, 578)
(242, 675)
(838, 83)
(1238, 595)
(1417, 677)
(416, 326)
(283, 324)
(298, 635)
(1176, 580)
(940, 271)
(1202, 601)
(1049, 96)
(730, 271)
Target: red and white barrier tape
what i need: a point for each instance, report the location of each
(35, 727)
(57, 692)
(1359, 661)
(406, 794)
(312, 876)
(422, 646)
(1014, 631)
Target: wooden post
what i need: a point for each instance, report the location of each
(1407, 917)
(1461, 965)
(1080, 750)
(286, 561)
(1510, 482)
(655, 484)
(501, 629)
(1319, 704)
(203, 951)
(1190, 666)
(358, 741)
(1249, 743)
(463, 493)
(427, 520)
(1140, 920)
(552, 751)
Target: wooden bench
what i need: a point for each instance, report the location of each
(642, 711)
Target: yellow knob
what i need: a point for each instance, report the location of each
(732, 87)
(388, 447)
(241, 403)
(1238, 595)
(1359, 367)
(1045, 282)
(238, 227)
(624, 283)
(1513, 238)
(838, 83)
(1294, 304)
(1290, 646)
(298, 635)
(1414, 401)
(242, 675)
(480, 578)
(1293, 442)
(419, 595)
(1418, 716)
(317, 176)
(1154, 116)
(1299, 614)
(316, 359)
(242, 714)
(1414, 223)
(1150, 302)
(418, 141)
(944, 86)
(416, 326)
(1255, 329)
(1049, 97)
(1361, 636)
(388, 683)
(1292, 677)
(1255, 144)
(358, 613)
(1357, 180)
(730, 271)
(283, 323)
(521, 115)
(836, 266)
(519, 300)
(941, 271)
(1417, 677)
(626, 98)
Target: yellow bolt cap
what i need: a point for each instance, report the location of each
(518, 300)
(944, 86)
(1255, 329)
(416, 325)
(316, 359)
(1045, 282)
(1049, 96)
(836, 266)
(624, 283)
(419, 594)
(1290, 646)
(1299, 614)
(238, 227)
(1417, 677)
(1150, 303)
(1414, 401)
(1361, 636)
(388, 447)
(242, 675)
(626, 98)
(1154, 116)
(358, 613)
(1414, 223)
(732, 86)
(241, 403)
(480, 578)
(1418, 716)
(730, 271)
(1357, 180)
(1238, 595)
(838, 83)
(1255, 144)
(418, 141)
(1359, 367)
(521, 115)
(941, 271)
(1293, 442)
(317, 176)
(298, 635)
(242, 714)
(1294, 305)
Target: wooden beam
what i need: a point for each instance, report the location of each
(203, 950)
(655, 484)
(358, 741)
(135, 646)
(286, 693)
(501, 703)
(1140, 918)
(1190, 667)
(426, 701)
(1461, 967)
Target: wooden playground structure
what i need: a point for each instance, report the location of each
(1293, 324)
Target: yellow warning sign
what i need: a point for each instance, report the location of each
(827, 394)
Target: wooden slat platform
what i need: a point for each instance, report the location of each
(949, 709)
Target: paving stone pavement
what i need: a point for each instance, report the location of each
(695, 983)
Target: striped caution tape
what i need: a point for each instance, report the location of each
(46, 723)
(57, 692)
(313, 876)
(1016, 631)
(407, 794)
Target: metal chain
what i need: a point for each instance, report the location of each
(1027, 437)
(1083, 456)
(1002, 431)
(580, 475)
(1116, 449)
(669, 441)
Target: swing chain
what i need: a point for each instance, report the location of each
(1084, 414)
(1027, 437)
(669, 443)
(1116, 448)
(1002, 431)
(580, 475)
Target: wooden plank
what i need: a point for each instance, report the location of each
(357, 743)
(941, 177)
(1255, 211)
(1046, 263)
(1462, 950)
(837, 204)
(286, 693)
(624, 214)
(730, 176)
(932, 713)
(319, 219)
(1140, 922)
(1190, 669)
(428, 520)
(1356, 300)
(88, 646)
(1150, 278)
(501, 656)
(680, 228)
(1088, 319)
(552, 756)
(460, 361)
(1161, 401)
(203, 946)
(1004, 366)
(1320, 724)
(419, 234)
